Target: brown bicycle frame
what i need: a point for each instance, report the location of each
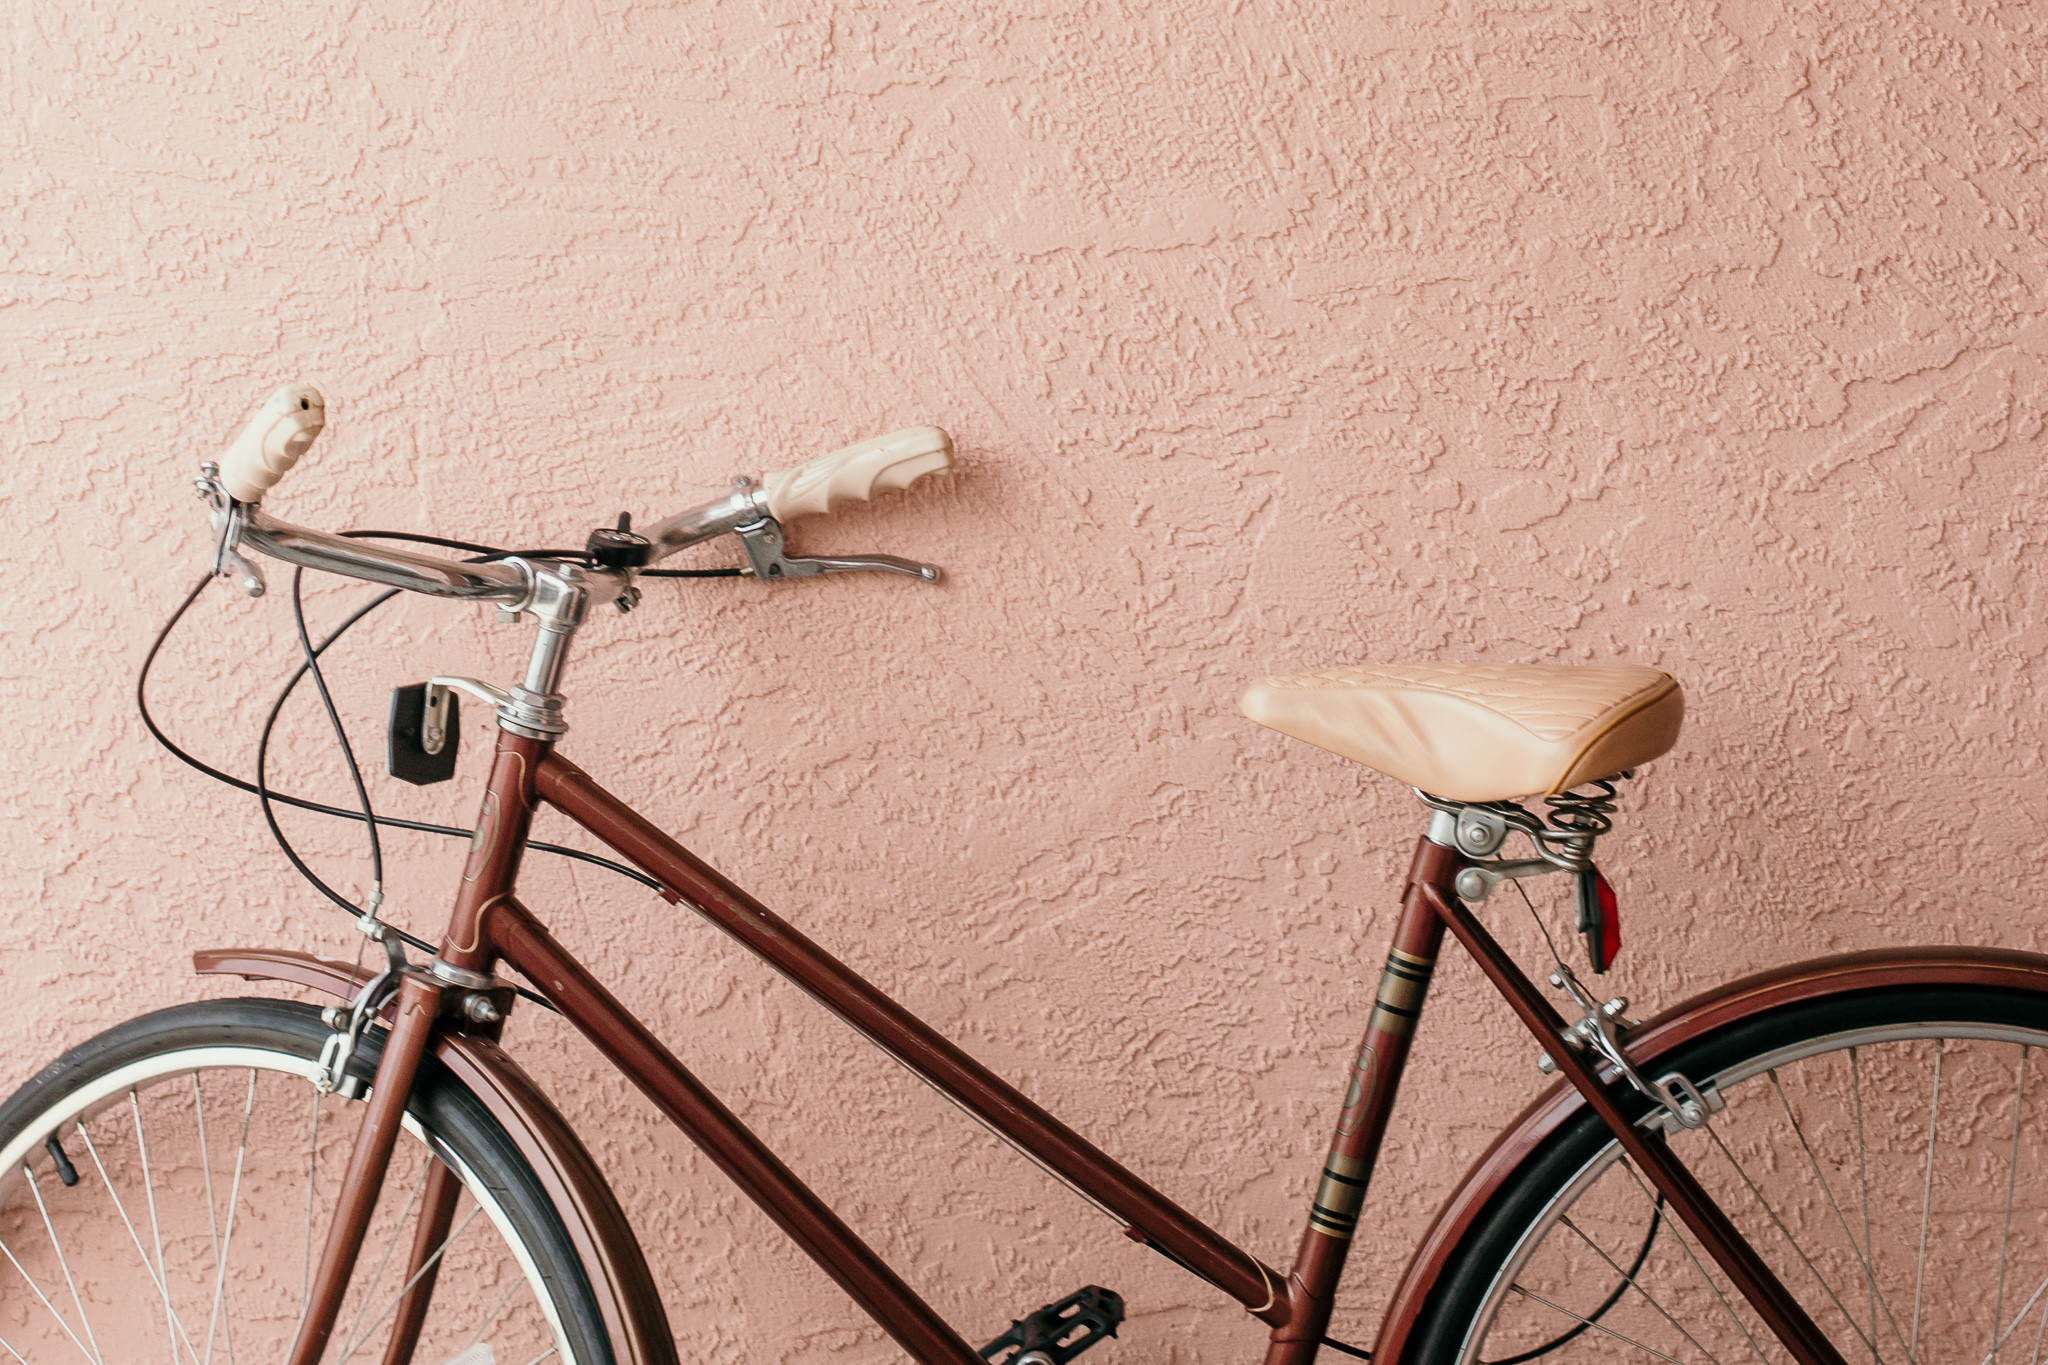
(490, 926)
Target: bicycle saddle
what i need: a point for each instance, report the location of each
(1479, 732)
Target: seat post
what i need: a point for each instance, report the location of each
(1375, 1077)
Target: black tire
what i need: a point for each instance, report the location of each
(454, 1121)
(1474, 1297)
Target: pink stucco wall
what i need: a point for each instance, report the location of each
(1708, 336)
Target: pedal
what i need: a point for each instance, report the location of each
(1056, 1333)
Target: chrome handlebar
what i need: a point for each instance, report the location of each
(556, 594)
(507, 582)
(745, 505)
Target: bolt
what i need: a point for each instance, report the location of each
(480, 1009)
(335, 1017)
(1557, 980)
(1690, 1112)
(1545, 1065)
(1613, 1008)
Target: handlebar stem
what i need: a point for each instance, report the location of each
(556, 595)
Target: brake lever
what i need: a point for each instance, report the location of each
(228, 516)
(763, 541)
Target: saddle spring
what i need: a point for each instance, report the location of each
(1581, 817)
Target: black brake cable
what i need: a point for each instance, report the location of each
(367, 816)
(348, 756)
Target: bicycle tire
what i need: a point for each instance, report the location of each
(1856, 1287)
(276, 1043)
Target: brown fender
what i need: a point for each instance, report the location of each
(1823, 977)
(604, 1240)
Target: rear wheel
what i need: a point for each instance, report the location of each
(1880, 1151)
(205, 1164)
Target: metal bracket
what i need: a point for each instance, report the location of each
(434, 719)
(1475, 882)
(1699, 1100)
(764, 546)
(533, 714)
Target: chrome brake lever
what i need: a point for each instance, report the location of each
(228, 515)
(763, 541)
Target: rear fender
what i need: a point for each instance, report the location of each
(1658, 1037)
(604, 1240)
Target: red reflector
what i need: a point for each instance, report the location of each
(1599, 919)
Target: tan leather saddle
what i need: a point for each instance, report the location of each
(1479, 732)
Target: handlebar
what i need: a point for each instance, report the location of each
(284, 428)
(508, 582)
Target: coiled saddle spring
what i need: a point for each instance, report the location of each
(1580, 817)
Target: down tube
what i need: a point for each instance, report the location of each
(684, 876)
(718, 1132)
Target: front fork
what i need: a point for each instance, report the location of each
(1429, 907)
(412, 1030)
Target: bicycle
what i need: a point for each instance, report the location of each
(1670, 1196)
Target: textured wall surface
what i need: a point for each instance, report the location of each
(1708, 336)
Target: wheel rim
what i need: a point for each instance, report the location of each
(191, 1232)
(1883, 1287)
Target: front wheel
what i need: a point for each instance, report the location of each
(166, 1186)
(1878, 1150)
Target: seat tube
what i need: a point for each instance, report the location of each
(1368, 1099)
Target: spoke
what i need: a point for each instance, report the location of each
(426, 1265)
(2012, 1173)
(1647, 1295)
(1678, 1235)
(542, 1356)
(172, 1327)
(227, 1241)
(206, 1171)
(10, 1350)
(518, 1280)
(389, 1246)
(1926, 1200)
(1609, 1331)
(64, 1262)
(1863, 1188)
(38, 1291)
(133, 1236)
(2017, 1319)
(1792, 1241)
(2039, 1332)
(1862, 1259)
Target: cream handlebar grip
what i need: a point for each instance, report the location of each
(859, 471)
(281, 431)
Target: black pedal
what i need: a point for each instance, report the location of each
(1059, 1331)
(420, 741)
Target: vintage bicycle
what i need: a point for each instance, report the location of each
(1822, 1163)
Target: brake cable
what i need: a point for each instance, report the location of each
(311, 652)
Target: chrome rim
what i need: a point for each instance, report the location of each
(205, 1176)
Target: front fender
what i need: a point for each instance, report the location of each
(604, 1240)
(1821, 978)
